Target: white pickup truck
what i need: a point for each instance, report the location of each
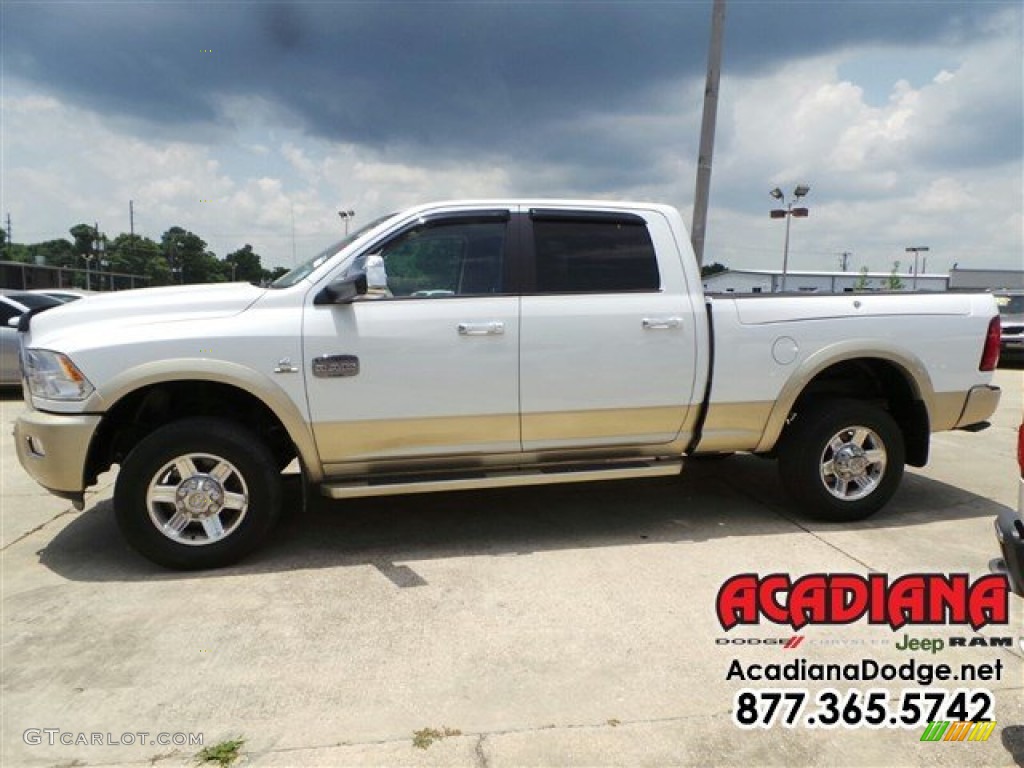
(468, 345)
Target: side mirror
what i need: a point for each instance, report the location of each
(376, 275)
(343, 291)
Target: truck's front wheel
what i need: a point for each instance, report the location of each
(842, 460)
(197, 493)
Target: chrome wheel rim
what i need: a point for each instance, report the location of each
(853, 463)
(197, 499)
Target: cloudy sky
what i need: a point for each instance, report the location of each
(255, 122)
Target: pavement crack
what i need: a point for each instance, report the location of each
(478, 750)
(793, 521)
(826, 542)
(38, 528)
(481, 760)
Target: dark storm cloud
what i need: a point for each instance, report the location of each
(437, 77)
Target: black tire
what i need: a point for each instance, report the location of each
(861, 483)
(217, 461)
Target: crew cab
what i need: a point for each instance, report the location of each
(464, 345)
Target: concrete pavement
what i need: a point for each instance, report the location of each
(553, 626)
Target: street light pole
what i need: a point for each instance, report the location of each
(785, 247)
(916, 250)
(788, 213)
(346, 216)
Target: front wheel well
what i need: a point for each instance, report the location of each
(881, 382)
(148, 408)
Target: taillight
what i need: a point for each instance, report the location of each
(990, 354)
(1020, 449)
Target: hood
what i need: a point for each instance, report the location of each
(144, 306)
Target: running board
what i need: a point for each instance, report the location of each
(481, 479)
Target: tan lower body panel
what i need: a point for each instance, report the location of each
(370, 446)
(734, 426)
(945, 410)
(612, 426)
(344, 441)
(982, 402)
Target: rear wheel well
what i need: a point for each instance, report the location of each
(882, 383)
(139, 413)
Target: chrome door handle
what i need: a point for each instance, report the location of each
(658, 323)
(495, 328)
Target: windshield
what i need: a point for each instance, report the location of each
(1010, 305)
(298, 273)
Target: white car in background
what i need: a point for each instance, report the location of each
(1011, 321)
(14, 304)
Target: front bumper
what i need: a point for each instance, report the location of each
(52, 447)
(981, 403)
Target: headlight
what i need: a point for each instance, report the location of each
(53, 376)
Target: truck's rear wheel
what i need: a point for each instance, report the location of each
(197, 493)
(842, 460)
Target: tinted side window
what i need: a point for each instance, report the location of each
(6, 313)
(36, 300)
(447, 259)
(594, 257)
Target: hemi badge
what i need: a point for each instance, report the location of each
(335, 366)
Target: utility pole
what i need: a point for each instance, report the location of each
(702, 192)
(10, 239)
(844, 260)
(917, 250)
(131, 237)
(293, 234)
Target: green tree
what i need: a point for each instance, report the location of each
(188, 258)
(90, 246)
(244, 264)
(862, 280)
(85, 236)
(712, 269)
(893, 282)
(139, 256)
(56, 253)
(17, 252)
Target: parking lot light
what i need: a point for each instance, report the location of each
(788, 213)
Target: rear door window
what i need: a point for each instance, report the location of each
(593, 253)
